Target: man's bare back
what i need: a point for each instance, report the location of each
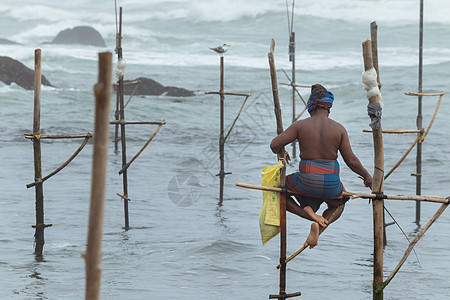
(320, 139)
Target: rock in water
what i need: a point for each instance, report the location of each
(83, 35)
(147, 86)
(12, 70)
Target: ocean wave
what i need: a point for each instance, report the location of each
(206, 11)
(388, 11)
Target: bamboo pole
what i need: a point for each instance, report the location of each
(424, 94)
(400, 131)
(414, 242)
(103, 92)
(237, 117)
(301, 113)
(142, 149)
(226, 93)
(122, 126)
(132, 94)
(283, 235)
(419, 119)
(59, 136)
(296, 85)
(336, 213)
(292, 58)
(136, 122)
(277, 109)
(221, 138)
(374, 44)
(119, 89)
(435, 199)
(377, 187)
(418, 138)
(86, 139)
(39, 194)
(374, 41)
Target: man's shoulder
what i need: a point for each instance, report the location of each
(302, 122)
(337, 124)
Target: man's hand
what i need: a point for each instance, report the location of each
(368, 181)
(287, 158)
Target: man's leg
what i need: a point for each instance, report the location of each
(293, 207)
(313, 237)
(307, 212)
(296, 209)
(332, 207)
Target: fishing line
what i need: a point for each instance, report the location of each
(292, 18)
(289, 22)
(115, 9)
(401, 229)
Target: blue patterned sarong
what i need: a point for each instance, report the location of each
(315, 182)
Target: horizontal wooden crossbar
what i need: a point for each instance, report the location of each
(424, 94)
(136, 122)
(126, 83)
(225, 93)
(59, 136)
(296, 85)
(125, 197)
(436, 199)
(400, 131)
(284, 296)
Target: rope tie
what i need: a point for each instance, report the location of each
(369, 79)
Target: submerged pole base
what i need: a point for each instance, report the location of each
(284, 295)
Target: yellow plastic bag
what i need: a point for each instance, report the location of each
(269, 217)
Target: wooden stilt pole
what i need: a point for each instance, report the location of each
(39, 232)
(120, 121)
(103, 92)
(119, 90)
(221, 138)
(122, 129)
(377, 187)
(292, 58)
(419, 119)
(374, 42)
(283, 235)
(36, 138)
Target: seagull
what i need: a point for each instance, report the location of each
(221, 49)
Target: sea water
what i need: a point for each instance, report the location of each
(181, 244)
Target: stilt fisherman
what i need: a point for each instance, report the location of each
(317, 180)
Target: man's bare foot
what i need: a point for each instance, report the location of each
(313, 237)
(320, 220)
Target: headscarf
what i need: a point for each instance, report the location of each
(320, 97)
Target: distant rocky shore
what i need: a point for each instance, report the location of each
(12, 70)
(147, 86)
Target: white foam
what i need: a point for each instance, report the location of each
(391, 11)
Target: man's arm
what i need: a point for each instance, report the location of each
(284, 138)
(351, 160)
